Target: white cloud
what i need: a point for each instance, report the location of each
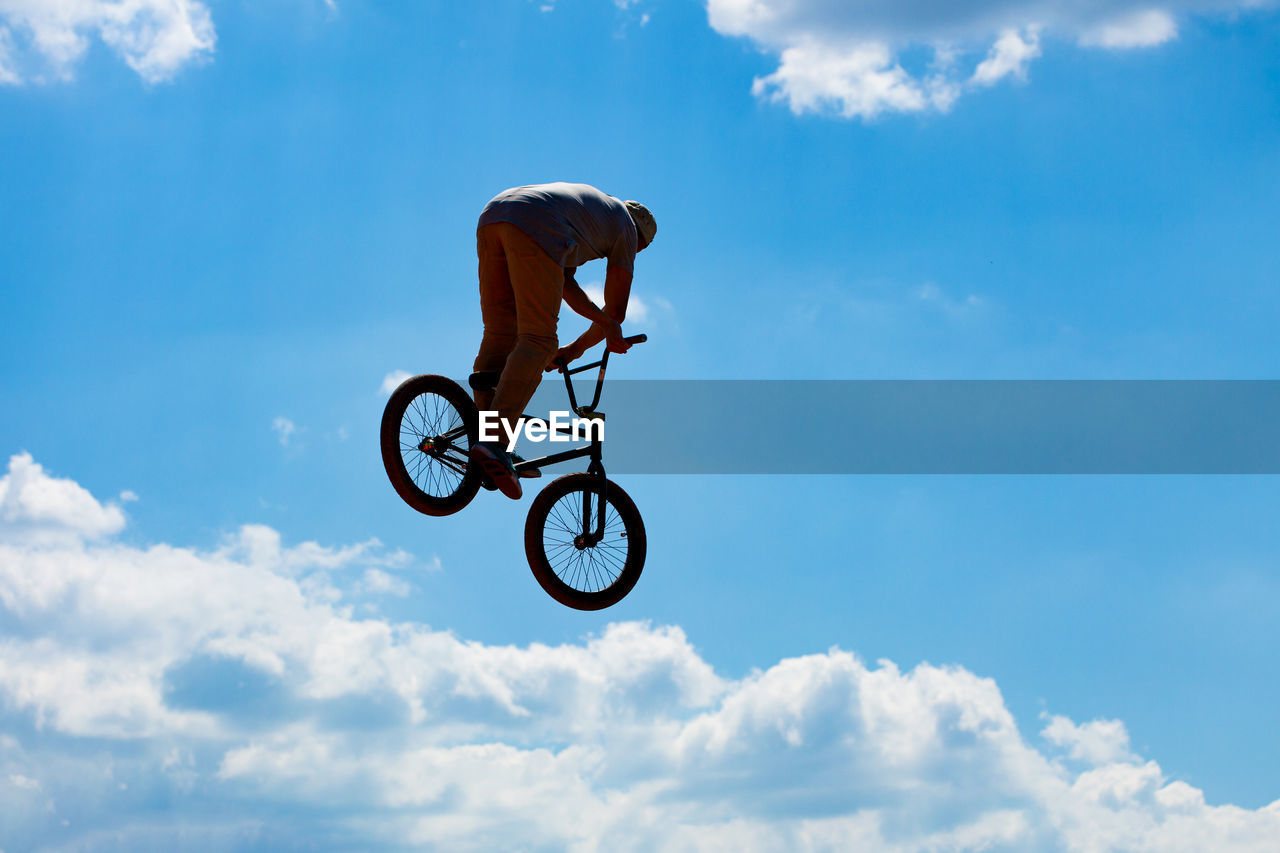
(639, 310)
(1098, 742)
(1008, 58)
(392, 380)
(37, 507)
(932, 295)
(239, 683)
(623, 5)
(20, 781)
(47, 38)
(854, 80)
(8, 72)
(843, 58)
(284, 429)
(379, 582)
(262, 546)
(1143, 28)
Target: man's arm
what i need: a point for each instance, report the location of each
(576, 298)
(606, 323)
(617, 293)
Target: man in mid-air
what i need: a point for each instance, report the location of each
(530, 241)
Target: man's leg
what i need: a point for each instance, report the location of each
(497, 307)
(538, 284)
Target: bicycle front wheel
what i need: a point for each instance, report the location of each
(427, 431)
(579, 563)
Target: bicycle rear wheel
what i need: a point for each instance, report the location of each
(575, 567)
(427, 431)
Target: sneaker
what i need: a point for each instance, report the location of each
(495, 463)
(516, 459)
(527, 473)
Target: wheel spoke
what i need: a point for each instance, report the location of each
(437, 475)
(590, 569)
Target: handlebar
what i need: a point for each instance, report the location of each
(602, 364)
(563, 365)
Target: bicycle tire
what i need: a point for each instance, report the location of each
(566, 574)
(430, 409)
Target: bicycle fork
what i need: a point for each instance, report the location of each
(589, 538)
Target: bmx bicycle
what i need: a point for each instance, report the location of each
(584, 537)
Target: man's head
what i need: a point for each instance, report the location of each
(646, 226)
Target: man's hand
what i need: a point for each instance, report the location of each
(564, 355)
(613, 338)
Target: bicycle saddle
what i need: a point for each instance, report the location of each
(484, 380)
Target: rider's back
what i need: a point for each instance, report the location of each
(573, 223)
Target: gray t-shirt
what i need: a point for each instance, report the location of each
(573, 223)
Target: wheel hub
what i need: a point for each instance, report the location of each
(434, 446)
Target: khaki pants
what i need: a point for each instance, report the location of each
(520, 292)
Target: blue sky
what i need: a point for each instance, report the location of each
(224, 224)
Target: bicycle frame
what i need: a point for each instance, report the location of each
(595, 450)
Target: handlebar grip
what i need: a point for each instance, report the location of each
(636, 339)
